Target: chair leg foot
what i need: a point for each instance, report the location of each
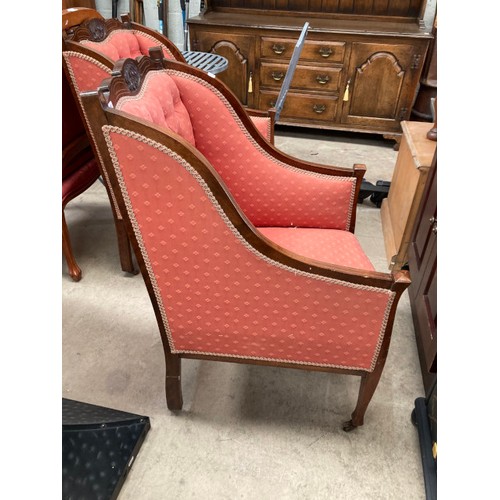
(348, 426)
(73, 270)
(173, 388)
(75, 273)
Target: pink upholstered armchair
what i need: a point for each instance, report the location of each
(116, 40)
(249, 255)
(90, 46)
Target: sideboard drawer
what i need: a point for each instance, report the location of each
(326, 51)
(316, 51)
(309, 78)
(322, 108)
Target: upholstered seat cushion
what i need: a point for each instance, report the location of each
(326, 245)
(121, 44)
(160, 102)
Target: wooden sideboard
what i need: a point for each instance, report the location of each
(399, 210)
(359, 70)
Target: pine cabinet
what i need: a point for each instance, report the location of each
(359, 69)
(399, 210)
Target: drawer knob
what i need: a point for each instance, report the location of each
(277, 75)
(272, 103)
(278, 48)
(319, 108)
(322, 79)
(325, 51)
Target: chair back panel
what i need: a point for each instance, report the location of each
(159, 102)
(270, 193)
(216, 293)
(86, 73)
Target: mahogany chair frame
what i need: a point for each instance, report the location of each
(127, 77)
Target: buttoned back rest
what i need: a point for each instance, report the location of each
(215, 292)
(270, 193)
(121, 44)
(159, 102)
(119, 40)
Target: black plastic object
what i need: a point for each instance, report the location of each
(377, 192)
(424, 417)
(99, 446)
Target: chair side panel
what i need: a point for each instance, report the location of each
(216, 293)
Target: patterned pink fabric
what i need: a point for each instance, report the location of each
(263, 125)
(217, 294)
(159, 102)
(269, 192)
(86, 73)
(120, 44)
(327, 245)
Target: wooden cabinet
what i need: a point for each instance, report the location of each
(359, 69)
(423, 271)
(399, 210)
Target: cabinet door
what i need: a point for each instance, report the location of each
(423, 270)
(239, 50)
(382, 80)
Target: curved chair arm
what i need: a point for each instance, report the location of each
(332, 191)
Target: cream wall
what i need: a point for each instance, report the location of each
(174, 19)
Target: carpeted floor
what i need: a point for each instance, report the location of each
(245, 432)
